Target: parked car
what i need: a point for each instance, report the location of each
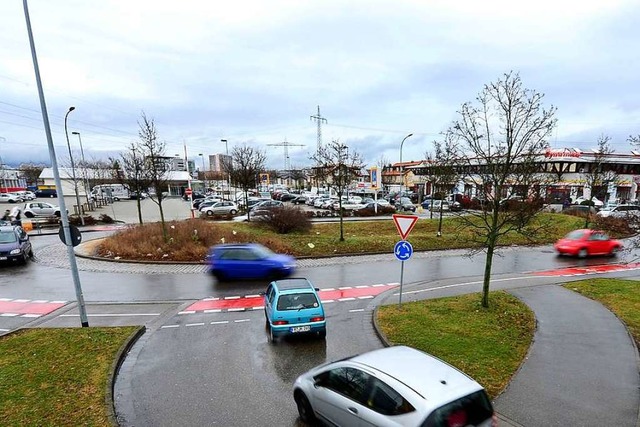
(14, 244)
(40, 209)
(596, 202)
(583, 243)
(293, 307)
(392, 386)
(265, 204)
(205, 203)
(405, 204)
(220, 208)
(437, 205)
(347, 205)
(285, 197)
(299, 200)
(620, 211)
(49, 192)
(25, 195)
(10, 198)
(248, 261)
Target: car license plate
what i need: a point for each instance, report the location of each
(300, 329)
(3, 258)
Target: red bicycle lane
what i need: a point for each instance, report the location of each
(233, 303)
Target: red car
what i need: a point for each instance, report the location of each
(583, 243)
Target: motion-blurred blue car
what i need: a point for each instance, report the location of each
(293, 307)
(248, 261)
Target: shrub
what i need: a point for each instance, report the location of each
(106, 219)
(75, 220)
(615, 226)
(382, 210)
(285, 219)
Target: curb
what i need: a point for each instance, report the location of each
(115, 368)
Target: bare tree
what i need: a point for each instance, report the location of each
(599, 174)
(134, 173)
(442, 171)
(246, 165)
(502, 137)
(31, 172)
(339, 168)
(154, 152)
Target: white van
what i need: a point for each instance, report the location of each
(109, 191)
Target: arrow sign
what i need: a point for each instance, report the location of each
(404, 224)
(403, 250)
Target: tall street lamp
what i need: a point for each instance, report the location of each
(4, 177)
(203, 171)
(226, 145)
(73, 167)
(85, 181)
(401, 168)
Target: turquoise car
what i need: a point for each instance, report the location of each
(293, 307)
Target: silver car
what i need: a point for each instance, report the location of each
(393, 386)
(221, 208)
(41, 209)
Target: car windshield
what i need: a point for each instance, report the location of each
(575, 235)
(8, 237)
(262, 252)
(297, 301)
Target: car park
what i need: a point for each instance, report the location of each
(233, 261)
(10, 198)
(299, 200)
(265, 204)
(293, 307)
(15, 245)
(220, 208)
(200, 204)
(392, 386)
(40, 209)
(440, 205)
(585, 242)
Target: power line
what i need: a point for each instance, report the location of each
(319, 119)
(286, 145)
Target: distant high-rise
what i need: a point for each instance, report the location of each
(217, 160)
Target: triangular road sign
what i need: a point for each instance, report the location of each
(404, 224)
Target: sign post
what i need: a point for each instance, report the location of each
(403, 249)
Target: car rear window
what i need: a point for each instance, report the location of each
(471, 410)
(297, 301)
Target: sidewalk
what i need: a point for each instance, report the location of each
(582, 369)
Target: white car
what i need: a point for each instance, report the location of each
(10, 198)
(40, 209)
(596, 202)
(25, 195)
(620, 211)
(393, 386)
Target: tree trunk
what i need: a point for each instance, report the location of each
(139, 205)
(487, 273)
(341, 223)
(165, 235)
(440, 222)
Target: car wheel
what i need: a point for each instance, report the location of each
(57, 214)
(322, 334)
(582, 253)
(218, 275)
(233, 211)
(31, 253)
(304, 408)
(614, 251)
(28, 214)
(209, 213)
(272, 337)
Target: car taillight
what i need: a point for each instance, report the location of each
(317, 319)
(280, 322)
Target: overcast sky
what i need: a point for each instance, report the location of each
(255, 71)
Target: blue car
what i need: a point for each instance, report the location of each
(14, 244)
(293, 307)
(234, 261)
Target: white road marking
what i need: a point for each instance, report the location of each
(21, 300)
(377, 286)
(327, 301)
(362, 286)
(30, 315)
(236, 309)
(366, 297)
(235, 297)
(253, 296)
(342, 288)
(9, 314)
(242, 320)
(220, 322)
(346, 299)
(169, 326)
(258, 308)
(40, 301)
(4, 330)
(5, 299)
(217, 310)
(57, 302)
(455, 285)
(356, 310)
(187, 312)
(328, 289)
(194, 324)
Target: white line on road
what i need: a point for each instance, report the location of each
(366, 297)
(8, 314)
(4, 330)
(21, 300)
(31, 315)
(236, 309)
(236, 297)
(169, 326)
(342, 288)
(356, 310)
(455, 285)
(346, 299)
(242, 320)
(252, 296)
(187, 312)
(216, 310)
(220, 322)
(194, 324)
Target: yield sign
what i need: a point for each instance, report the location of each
(404, 224)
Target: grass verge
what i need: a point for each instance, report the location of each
(191, 239)
(487, 344)
(54, 377)
(622, 297)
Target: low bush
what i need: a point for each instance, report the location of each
(88, 220)
(615, 226)
(285, 219)
(106, 219)
(382, 210)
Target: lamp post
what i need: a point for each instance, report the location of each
(85, 181)
(401, 168)
(226, 145)
(204, 174)
(4, 177)
(73, 167)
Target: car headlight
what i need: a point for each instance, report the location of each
(15, 252)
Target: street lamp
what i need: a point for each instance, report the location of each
(73, 167)
(203, 171)
(4, 177)
(229, 166)
(84, 164)
(401, 168)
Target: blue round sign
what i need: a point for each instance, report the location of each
(403, 250)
